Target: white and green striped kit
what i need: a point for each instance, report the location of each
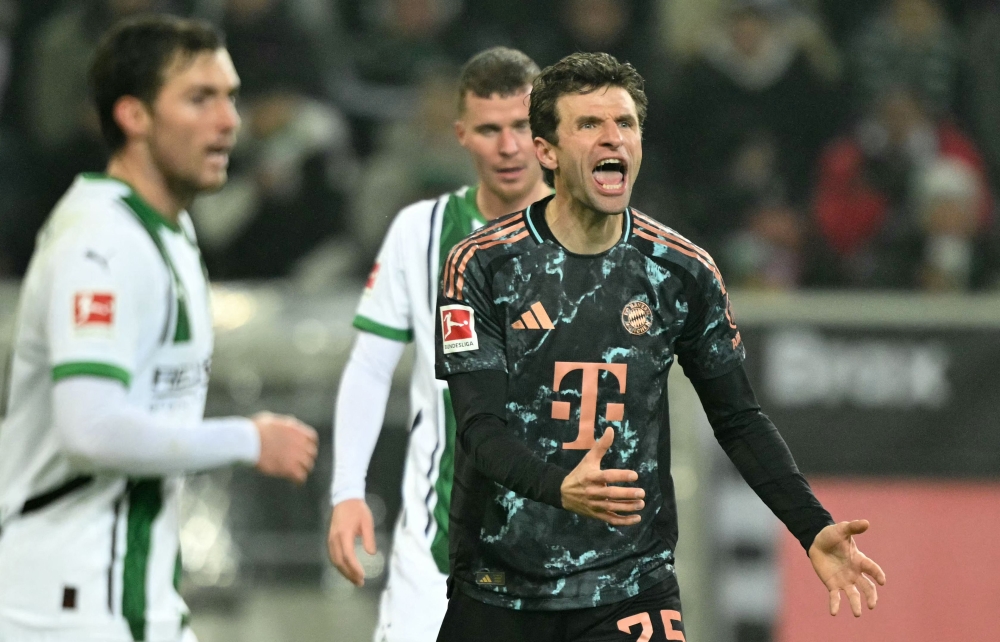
(398, 304)
(114, 540)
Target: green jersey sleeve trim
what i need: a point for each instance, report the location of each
(92, 369)
(367, 325)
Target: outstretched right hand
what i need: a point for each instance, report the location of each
(350, 518)
(287, 446)
(587, 490)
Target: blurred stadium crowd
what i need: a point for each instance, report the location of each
(805, 143)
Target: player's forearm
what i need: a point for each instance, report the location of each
(101, 431)
(360, 411)
(479, 399)
(757, 450)
(764, 461)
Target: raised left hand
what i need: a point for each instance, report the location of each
(842, 567)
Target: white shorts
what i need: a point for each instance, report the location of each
(415, 598)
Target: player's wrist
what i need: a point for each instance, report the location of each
(340, 495)
(252, 452)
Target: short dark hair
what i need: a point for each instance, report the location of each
(133, 57)
(579, 73)
(498, 70)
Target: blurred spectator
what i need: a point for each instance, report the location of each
(745, 125)
(488, 23)
(767, 253)
(904, 201)
(909, 43)
(272, 50)
(623, 28)
(393, 41)
(414, 159)
(293, 160)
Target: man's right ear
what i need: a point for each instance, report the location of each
(545, 152)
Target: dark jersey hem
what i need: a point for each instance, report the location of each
(606, 595)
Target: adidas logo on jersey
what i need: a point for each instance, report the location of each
(534, 319)
(491, 579)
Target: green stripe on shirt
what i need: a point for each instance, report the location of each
(367, 325)
(145, 502)
(91, 369)
(446, 477)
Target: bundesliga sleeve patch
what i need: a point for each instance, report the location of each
(458, 329)
(370, 283)
(93, 310)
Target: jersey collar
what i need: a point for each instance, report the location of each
(540, 231)
(148, 214)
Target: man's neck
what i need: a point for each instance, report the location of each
(491, 206)
(148, 183)
(580, 229)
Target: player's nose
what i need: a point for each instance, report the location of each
(507, 142)
(611, 135)
(228, 118)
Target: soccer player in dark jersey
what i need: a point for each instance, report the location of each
(557, 328)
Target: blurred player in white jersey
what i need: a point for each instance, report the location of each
(397, 307)
(112, 356)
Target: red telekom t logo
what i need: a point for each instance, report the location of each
(588, 399)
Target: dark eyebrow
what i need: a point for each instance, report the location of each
(209, 89)
(629, 118)
(588, 120)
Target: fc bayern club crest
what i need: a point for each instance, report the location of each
(637, 317)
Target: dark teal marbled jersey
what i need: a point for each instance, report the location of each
(587, 343)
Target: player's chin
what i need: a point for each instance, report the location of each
(212, 180)
(610, 204)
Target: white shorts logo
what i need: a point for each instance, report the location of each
(458, 329)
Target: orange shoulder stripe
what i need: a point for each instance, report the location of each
(485, 233)
(454, 260)
(698, 257)
(465, 243)
(460, 283)
(663, 230)
(688, 252)
(455, 277)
